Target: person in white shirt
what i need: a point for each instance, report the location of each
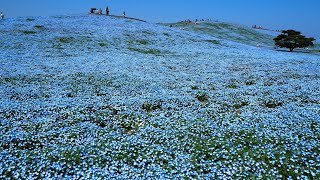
(1, 16)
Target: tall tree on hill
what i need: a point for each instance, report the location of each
(293, 39)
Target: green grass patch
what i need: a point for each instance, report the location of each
(128, 35)
(65, 39)
(213, 41)
(39, 27)
(149, 107)
(232, 86)
(273, 103)
(148, 51)
(241, 104)
(143, 41)
(202, 97)
(148, 33)
(29, 32)
(250, 82)
(166, 34)
(30, 19)
(194, 87)
(233, 32)
(103, 44)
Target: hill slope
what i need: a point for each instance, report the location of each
(228, 31)
(102, 97)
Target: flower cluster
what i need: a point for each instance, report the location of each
(94, 97)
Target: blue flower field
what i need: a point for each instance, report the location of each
(95, 97)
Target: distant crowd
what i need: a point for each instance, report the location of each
(263, 28)
(197, 21)
(99, 11)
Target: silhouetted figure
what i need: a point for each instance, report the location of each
(2, 15)
(107, 11)
(124, 14)
(100, 11)
(92, 10)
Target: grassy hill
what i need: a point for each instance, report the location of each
(96, 97)
(228, 31)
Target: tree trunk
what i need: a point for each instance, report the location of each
(291, 49)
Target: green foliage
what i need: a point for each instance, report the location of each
(166, 34)
(39, 27)
(293, 39)
(194, 87)
(143, 41)
(213, 41)
(228, 32)
(149, 51)
(272, 103)
(250, 82)
(317, 46)
(65, 39)
(148, 33)
(202, 97)
(151, 106)
(29, 32)
(103, 44)
(30, 19)
(241, 104)
(232, 86)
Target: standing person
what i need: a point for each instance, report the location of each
(107, 11)
(2, 15)
(124, 14)
(100, 11)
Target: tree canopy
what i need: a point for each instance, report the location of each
(293, 39)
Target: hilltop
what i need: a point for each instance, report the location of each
(105, 97)
(229, 31)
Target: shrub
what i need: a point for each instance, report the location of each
(39, 27)
(272, 103)
(241, 104)
(202, 97)
(29, 32)
(151, 106)
(65, 39)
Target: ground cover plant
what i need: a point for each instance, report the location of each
(83, 98)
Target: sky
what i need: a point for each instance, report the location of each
(302, 15)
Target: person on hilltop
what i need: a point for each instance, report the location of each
(1, 15)
(107, 11)
(124, 14)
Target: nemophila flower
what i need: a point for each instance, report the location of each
(74, 104)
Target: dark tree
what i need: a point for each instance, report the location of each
(293, 39)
